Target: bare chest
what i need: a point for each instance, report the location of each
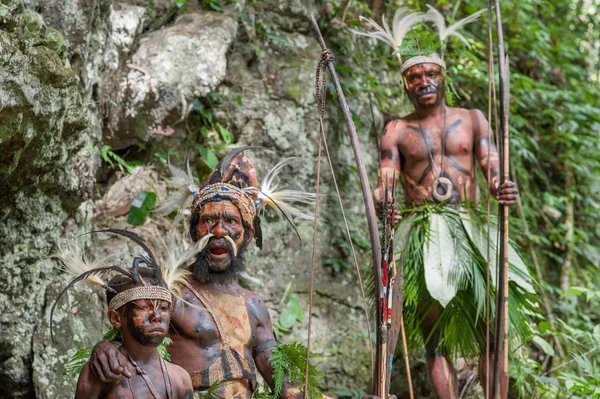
(214, 318)
(428, 142)
(135, 387)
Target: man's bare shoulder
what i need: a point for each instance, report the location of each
(179, 375)
(401, 122)
(464, 112)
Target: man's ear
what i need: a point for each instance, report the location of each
(114, 318)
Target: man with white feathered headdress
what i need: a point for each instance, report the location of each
(222, 334)
(442, 238)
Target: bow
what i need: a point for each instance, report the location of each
(368, 200)
(501, 337)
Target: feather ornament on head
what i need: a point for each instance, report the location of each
(404, 21)
(169, 272)
(234, 179)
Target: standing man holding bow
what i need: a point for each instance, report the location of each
(442, 237)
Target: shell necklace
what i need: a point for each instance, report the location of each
(442, 186)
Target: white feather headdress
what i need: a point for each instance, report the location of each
(404, 21)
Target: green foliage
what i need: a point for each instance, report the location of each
(141, 207)
(215, 137)
(162, 349)
(419, 41)
(290, 314)
(113, 159)
(289, 364)
(343, 261)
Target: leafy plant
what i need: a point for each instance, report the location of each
(113, 159)
(215, 137)
(289, 364)
(140, 207)
(290, 314)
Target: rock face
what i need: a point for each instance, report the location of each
(76, 75)
(171, 66)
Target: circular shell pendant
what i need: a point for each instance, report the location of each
(442, 189)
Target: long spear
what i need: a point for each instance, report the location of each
(364, 182)
(501, 338)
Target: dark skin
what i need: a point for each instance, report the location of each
(196, 339)
(143, 325)
(405, 153)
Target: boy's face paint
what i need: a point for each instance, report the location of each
(148, 320)
(223, 220)
(425, 85)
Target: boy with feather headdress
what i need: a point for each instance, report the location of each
(442, 238)
(139, 309)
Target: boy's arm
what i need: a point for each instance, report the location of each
(88, 386)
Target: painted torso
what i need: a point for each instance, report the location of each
(197, 342)
(415, 143)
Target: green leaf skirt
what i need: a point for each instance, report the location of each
(444, 251)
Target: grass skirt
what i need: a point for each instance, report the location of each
(444, 252)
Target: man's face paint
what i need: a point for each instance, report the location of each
(148, 320)
(424, 84)
(222, 219)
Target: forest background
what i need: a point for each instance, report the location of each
(96, 96)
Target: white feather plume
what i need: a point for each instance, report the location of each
(283, 200)
(176, 258)
(403, 22)
(75, 262)
(446, 31)
(185, 188)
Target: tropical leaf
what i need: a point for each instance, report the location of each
(440, 260)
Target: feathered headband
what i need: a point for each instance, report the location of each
(404, 21)
(234, 179)
(169, 272)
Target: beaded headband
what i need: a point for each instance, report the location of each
(223, 191)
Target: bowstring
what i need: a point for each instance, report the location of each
(327, 57)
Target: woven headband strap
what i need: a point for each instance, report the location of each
(229, 192)
(421, 59)
(133, 294)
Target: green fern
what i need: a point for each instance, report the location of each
(289, 363)
(110, 157)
